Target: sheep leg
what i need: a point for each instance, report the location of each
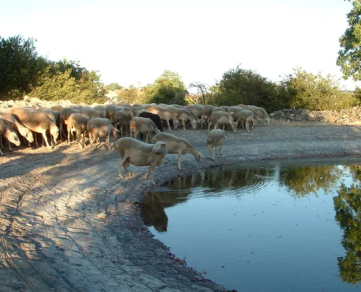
(125, 166)
(184, 125)
(120, 164)
(1, 146)
(213, 149)
(83, 143)
(168, 125)
(96, 146)
(247, 126)
(46, 140)
(152, 169)
(179, 160)
(220, 148)
(69, 136)
(209, 126)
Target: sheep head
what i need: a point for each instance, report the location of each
(159, 147)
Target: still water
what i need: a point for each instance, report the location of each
(269, 226)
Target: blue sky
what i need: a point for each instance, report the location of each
(135, 41)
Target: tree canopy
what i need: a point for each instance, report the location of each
(22, 72)
(349, 56)
(168, 89)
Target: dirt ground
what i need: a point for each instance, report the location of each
(68, 223)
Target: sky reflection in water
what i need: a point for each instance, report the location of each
(270, 226)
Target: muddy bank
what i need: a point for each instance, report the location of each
(67, 223)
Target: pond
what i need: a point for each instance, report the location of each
(267, 226)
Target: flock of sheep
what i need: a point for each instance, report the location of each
(22, 125)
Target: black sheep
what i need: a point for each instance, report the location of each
(154, 117)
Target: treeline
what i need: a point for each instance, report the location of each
(22, 72)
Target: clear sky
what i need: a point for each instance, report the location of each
(136, 40)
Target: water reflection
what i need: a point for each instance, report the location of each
(293, 182)
(348, 214)
(302, 181)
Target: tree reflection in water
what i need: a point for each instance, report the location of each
(348, 214)
(299, 181)
(302, 181)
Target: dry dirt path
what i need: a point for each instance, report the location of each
(67, 223)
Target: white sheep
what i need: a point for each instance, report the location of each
(221, 119)
(246, 117)
(37, 122)
(15, 124)
(183, 115)
(11, 136)
(77, 123)
(142, 126)
(100, 128)
(164, 113)
(138, 153)
(215, 139)
(176, 145)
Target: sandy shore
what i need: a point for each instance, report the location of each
(67, 223)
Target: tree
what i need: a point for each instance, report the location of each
(241, 86)
(113, 86)
(62, 85)
(202, 92)
(168, 88)
(315, 92)
(349, 56)
(19, 64)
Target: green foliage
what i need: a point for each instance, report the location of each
(349, 56)
(130, 95)
(22, 71)
(61, 85)
(168, 89)
(19, 64)
(240, 86)
(303, 181)
(348, 213)
(315, 92)
(113, 86)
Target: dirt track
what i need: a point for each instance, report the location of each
(67, 223)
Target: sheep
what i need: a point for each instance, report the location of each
(100, 128)
(11, 136)
(207, 110)
(121, 119)
(111, 110)
(37, 122)
(176, 145)
(138, 153)
(15, 124)
(217, 109)
(215, 139)
(64, 116)
(164, 113)
(197, 111)
(260, 113)
(245, 117)
(77, 123)
(89, 112)
(102, 111)
(143, 126)
(184, 115)
(154, 117)
(221, 118)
